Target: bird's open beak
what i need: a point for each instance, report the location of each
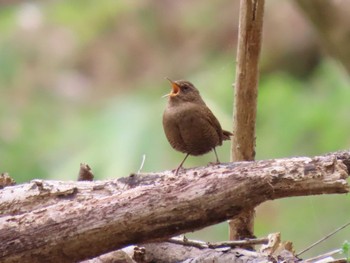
(175, 89)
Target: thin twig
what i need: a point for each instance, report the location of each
(323, 239)
(235, 243)
(328, 254)
(200, 244)
(188, 242)
(142, 163)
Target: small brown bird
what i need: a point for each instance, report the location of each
(189, 124)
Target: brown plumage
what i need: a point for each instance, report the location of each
(189, 124)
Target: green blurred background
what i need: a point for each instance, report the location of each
(81, 81)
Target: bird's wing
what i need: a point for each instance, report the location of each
(200, 130)
(223, 134)
(214, 122)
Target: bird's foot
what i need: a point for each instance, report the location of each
(177, 170)
(214, 163)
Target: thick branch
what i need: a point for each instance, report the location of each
(51, 221)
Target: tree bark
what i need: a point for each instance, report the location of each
(51, 221)
(154, 252)
(245, 100)
(169, 252)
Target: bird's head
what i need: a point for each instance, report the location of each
(183, 91)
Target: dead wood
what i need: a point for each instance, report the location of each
(52, 221)
(171, 253)
(251, 14)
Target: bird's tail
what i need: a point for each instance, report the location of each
(226, 135)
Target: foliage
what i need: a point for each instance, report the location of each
(346, 250)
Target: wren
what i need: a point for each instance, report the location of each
(189, 124)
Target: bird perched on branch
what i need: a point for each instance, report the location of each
(189, 124)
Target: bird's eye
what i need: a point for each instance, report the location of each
(185, 88)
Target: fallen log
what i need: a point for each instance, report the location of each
(56, 221)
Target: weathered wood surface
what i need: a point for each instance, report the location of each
(251, 17)
(51, 221)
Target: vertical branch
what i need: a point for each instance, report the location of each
(245, 99)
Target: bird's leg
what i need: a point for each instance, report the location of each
(178, 168)
(217, 158)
